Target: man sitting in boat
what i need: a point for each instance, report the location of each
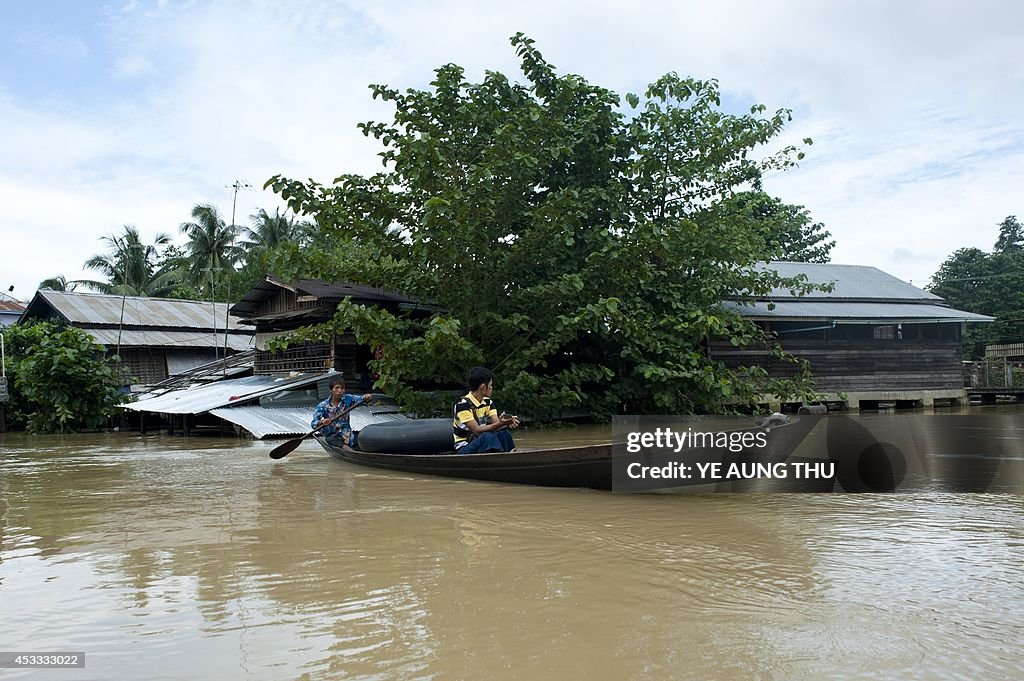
(337, 432)
(477, 425)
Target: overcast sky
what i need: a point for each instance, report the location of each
(131, 113)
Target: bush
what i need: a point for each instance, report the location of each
(61, 381)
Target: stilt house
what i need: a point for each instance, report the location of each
(872, 339)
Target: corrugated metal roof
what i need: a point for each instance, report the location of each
(857, 282)
(311, 313)
(342, 289)
(324, 291)
(96, 308)
(838, 310)
(203, 398)
(187, 339)
(264, 421)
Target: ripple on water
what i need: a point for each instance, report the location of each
(260, 569)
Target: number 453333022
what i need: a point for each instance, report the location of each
(23, 660)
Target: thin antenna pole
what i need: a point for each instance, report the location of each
(120, 325)
(213, 304)
(227, 309)
(124, 296)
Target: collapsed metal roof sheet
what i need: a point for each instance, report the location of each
(101, 309)
(264, 421)
(189, 339)
(261, 422)
(210, 372)
(860, 311)
(203, 398)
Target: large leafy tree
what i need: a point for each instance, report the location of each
(790, 232)
(989, 283)
(211, 249)
(129, 267)
(581, 251)
(1011, 236)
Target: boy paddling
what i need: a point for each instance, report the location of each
(339, 432)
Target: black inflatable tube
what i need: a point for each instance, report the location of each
(408, 436)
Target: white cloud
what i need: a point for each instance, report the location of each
(134, 66)
(917, 151)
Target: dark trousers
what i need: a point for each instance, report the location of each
(500, 441)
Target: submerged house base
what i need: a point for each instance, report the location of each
(872, 341)
(876, 400)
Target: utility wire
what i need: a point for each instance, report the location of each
(986, 276)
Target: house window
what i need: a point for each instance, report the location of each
(887, 332)
(144, 365)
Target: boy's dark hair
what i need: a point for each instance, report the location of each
(336, 380)
(478, 376)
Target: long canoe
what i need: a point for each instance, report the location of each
(583, 466)
(577, 466)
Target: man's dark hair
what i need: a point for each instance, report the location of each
(478, 376)
(336, 380)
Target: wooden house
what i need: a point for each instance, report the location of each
(872, 339)
(275, 306)
(1010, 352)
(155, 337)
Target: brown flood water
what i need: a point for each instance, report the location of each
(169, 558)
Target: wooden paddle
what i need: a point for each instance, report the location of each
(286, 448)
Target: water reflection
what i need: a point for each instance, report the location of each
(150, 550)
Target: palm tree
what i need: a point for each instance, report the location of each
(211, 247)
(130, 267)
(268, 232)
(58, 283)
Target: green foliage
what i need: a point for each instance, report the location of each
(987, 283)
(1011, 236)
(207, 266)
(129, 267)
(580, 253)
(270, 232)
(58, 283)
(61, 382)
(219, 266)
(211, 251)
(787, 229)
(176, 260)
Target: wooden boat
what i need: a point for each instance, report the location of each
(582, 466)
(578, 466)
